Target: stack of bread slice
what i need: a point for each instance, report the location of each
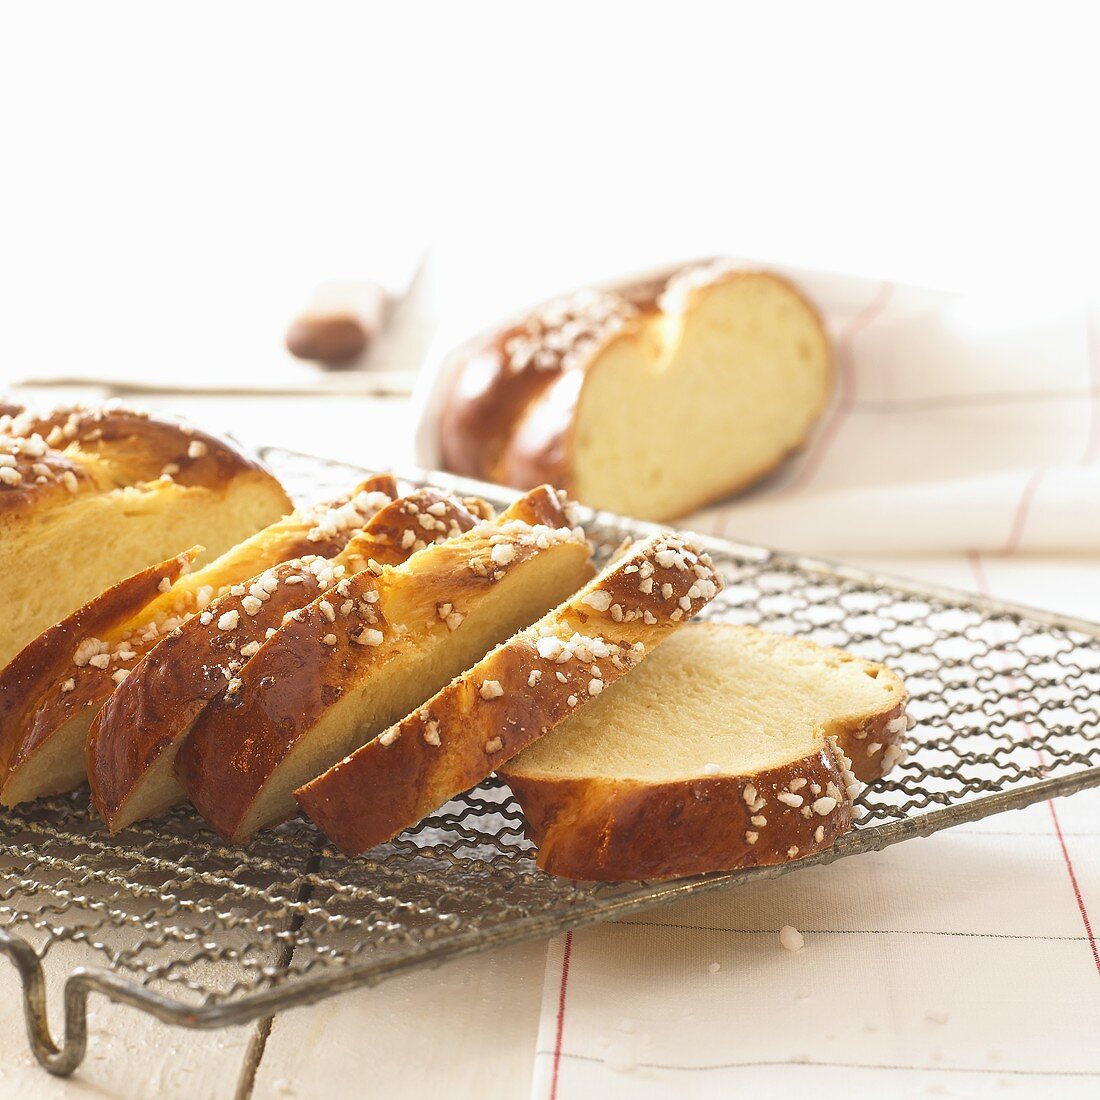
(363, 655)
(368, 659)
(132, 743)
(53, 689)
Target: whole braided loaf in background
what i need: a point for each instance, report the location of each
(650, 400)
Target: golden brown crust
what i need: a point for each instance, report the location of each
(51, 681)
(238, 743)
(70, 451)
(511, 697)
(614, 830)
(514, 425)
(540, 438)
(156, 707)
(876, 744)
(503, 373)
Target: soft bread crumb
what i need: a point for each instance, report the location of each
(733, 682)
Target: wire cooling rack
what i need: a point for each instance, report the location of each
(168, 919)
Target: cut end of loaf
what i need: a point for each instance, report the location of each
(734, 382)
(132, 527)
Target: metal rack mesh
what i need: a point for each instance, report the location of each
(171, 920)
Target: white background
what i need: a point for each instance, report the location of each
(174, 179)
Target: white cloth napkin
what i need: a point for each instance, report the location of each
(967, 430)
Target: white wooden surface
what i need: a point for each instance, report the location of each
(469, 1026)
(131, 1056)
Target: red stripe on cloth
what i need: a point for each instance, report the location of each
(978, 569)
(1076, 888)
(561, 1013)
(1023, 509)
(847, 384)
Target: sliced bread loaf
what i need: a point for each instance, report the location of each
(512, 696)
(344, 667)
(132, 744)
(729, 748)
(76, 665)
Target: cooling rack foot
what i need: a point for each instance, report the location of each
(60, 1061)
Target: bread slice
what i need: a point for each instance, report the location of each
(132, 744)
(512, 696)
(77, 665)
(43, 708)
(729, 749)
(322, 529)
(344, 667)
(146, 489)
(598, 392)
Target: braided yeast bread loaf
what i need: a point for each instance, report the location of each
(345, 666)
(90, 496)
(512, 696)
(729, 749)
(132, 744)
(650, 401)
